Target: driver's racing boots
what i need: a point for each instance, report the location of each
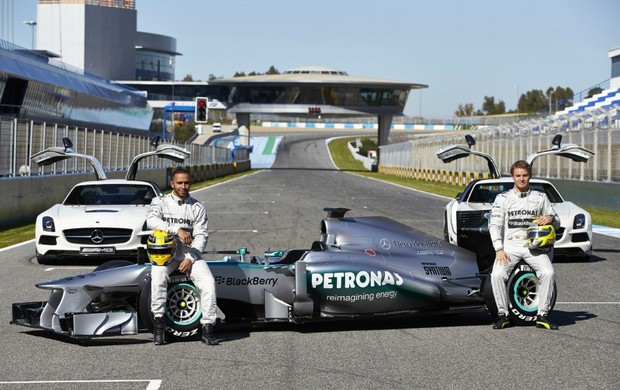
(542, 321)
(502, 322)
(159, 333)
(208, 337)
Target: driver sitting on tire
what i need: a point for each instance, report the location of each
(181, 215)
(512, 214)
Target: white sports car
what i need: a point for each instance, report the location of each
(103, 218)
(466, 217)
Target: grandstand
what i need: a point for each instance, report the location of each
(605, 99)
(600, 110)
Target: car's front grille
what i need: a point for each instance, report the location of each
(559, 233)
(94, 236)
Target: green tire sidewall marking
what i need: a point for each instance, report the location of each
(516, 294)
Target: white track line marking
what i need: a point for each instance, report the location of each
(153, 384)
(587, 303)
(233, 231)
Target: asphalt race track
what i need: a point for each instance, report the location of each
(281, 208)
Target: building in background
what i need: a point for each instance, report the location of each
(100, 37)
(614, 55)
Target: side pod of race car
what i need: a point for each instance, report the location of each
(361, 267)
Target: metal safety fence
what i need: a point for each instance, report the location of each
(20, 139)
(416, 158)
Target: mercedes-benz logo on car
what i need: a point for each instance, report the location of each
(96, 236)
(384, 244)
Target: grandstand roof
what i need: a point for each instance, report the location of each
(316, 75)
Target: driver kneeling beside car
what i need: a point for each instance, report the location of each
(522, 227)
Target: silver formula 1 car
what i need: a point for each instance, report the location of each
(361, 267)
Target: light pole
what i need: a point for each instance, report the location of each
(550, 101)
(32, 24)
(517, 88)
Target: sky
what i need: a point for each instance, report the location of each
(463, 50)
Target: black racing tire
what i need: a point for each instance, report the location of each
(183, 309)
(522, 288)
(523, 295)
(113, 264)
(489, 298)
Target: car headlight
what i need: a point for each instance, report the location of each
(48, 224)
(579, 222)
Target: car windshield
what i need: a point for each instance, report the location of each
(110, 194)
(486, 193)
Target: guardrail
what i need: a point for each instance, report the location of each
(20, 139)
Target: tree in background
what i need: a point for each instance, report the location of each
(465, 110)
(559, 98)
(594, 91)
(184, 132)
(531, 102)
(489, 107)
(272, 70)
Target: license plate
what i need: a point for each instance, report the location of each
(99, 250)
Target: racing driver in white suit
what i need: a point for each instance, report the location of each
(181, 215)
(512, 213)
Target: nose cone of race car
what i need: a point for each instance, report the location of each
(130, 276)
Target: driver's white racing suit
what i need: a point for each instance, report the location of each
(171, 213)
(511, 215)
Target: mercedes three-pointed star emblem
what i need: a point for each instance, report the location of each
(96, 236)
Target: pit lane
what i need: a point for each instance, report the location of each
(281, 208)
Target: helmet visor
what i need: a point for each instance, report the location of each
(159, 251)
(538, 233)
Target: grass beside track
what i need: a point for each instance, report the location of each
(344, 161)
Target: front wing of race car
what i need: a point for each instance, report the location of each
(93, 304)
(32, 314)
